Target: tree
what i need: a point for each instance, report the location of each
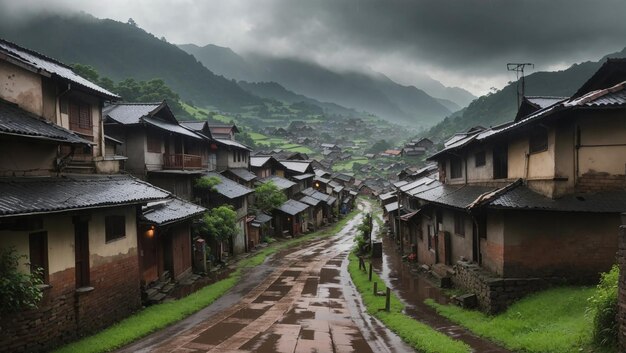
(220, 222)
(268, 197)
(246, 139)
(131, 22)
(379, 146)
(17, 290)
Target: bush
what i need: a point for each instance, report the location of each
(17, 290)
(603, 307)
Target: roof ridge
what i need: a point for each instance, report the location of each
(35, 53)
(490, 195)
(593, 95)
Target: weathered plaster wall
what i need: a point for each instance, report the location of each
(22, 87)
(492, 247)
(23, 157)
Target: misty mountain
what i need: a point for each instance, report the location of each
(119, 51)
(501, 106)
(373, 92)
(273, 90)
(456, 95)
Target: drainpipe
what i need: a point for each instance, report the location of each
(576, 154)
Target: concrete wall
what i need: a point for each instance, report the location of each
(492, 247)
(603, 143)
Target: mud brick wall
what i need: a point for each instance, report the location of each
(64, 315)
(495, 294)
(621, 316)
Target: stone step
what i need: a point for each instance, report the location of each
(441, 281)
(168, 288)
(156, 298)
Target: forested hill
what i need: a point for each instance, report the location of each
(501, 107)
(120, 50)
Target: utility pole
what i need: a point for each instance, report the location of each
(519, 72)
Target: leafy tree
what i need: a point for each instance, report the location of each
(268, 197)
(379, 146)
(17, 290)
(220, 222)
(604, 307)
(246, 139)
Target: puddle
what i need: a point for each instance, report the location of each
(329, 275)
(310, 286)
(218, 333)
(414, 289)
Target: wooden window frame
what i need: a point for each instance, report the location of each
(152, 141)
(480, 159)
(80, 117)
(459, 224)
(38, 253)
(538, 141)
(114, 228)
(456, 168)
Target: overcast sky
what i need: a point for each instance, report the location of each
(464, 43)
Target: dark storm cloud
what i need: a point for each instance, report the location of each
(464, 42)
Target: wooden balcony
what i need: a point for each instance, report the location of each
(182, 161)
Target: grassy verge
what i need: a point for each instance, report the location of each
(159, 316)
(552, 321)
(420, 336)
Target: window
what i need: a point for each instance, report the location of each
(500, 162)
(154, 143)
(234, 156)
(38, 251)
(459, 224)
(81, 251)
(80, 117)
(431, 234)
(538, 141)
(456, 167)
(114, 227)
(479, 159)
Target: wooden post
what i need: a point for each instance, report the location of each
(375, 288)
(370, 274)
(388, 300)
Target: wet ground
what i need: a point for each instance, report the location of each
(302, 300)
(414, 289)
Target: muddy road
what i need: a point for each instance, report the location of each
(301, 300)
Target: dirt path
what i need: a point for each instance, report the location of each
(301, 301)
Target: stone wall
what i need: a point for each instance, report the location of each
(64, 314)
(597, 182)
(621, 316)
(495, 294)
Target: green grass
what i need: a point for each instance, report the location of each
(257, 137)
(552, 321)
(420, 336)
(347, 165)
(159, 316)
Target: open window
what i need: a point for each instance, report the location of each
(38, 251)
(500, 161)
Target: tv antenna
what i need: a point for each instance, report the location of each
(519, 72)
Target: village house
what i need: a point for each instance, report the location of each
(265, 166)
(559, 168)
(59, 209)
(158, 149)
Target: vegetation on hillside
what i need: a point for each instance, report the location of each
(154, 90)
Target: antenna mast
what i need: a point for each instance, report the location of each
(519, 72)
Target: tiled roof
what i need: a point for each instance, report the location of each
(323, 180)
(400, 183)
(319, 195)
(387, 196)
(258, 161)
(229, 188)
(390, 207)
(458, 196)
(296, 166)
(293, 207)
(35, 195)
(46, 64)
(310, 200)
(129, 113)
(243, 173)
(171, 127)
(544, 101)
(521, 197)
(261, 218)
(232, 143)
(16, 121)
(303, 176)
(171, 210)
(281, 183)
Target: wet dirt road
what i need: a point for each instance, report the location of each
(300, 301)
